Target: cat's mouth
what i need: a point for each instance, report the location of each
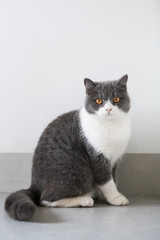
(109, 115)
(106, 115)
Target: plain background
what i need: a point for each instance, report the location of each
(48, 47)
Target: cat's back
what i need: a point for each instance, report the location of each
(61, 131)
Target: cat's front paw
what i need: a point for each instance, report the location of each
(119, 200)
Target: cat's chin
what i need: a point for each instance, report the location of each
(106, 116)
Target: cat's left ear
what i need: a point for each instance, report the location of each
(90, 85)
(123, 82)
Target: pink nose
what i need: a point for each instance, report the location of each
(108, 110)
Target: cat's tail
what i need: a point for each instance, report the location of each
(21, 205)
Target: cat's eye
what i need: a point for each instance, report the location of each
(116, 100)
(99, 101)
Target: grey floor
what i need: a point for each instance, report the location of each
(139, 220)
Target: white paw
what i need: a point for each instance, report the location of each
(118, 200)
(46, 203)
(86, 202)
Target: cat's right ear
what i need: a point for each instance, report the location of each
(90, 85)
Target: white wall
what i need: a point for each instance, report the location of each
(48, 47)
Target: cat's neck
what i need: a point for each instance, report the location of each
(107, 136)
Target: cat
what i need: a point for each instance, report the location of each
(78, 153)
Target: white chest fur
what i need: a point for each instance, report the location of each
(109, 137)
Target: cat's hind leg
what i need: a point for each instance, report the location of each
(80, 201)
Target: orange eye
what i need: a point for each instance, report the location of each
(116, 100)
(99, 101)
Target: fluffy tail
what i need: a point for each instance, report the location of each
(21, 204)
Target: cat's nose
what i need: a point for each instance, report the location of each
(108, 110)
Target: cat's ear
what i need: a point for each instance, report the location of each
(122, 82)
(90, 85)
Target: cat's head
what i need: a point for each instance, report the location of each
(107, 99)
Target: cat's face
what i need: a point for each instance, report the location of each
(107, 99)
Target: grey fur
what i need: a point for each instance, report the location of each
(64, 163)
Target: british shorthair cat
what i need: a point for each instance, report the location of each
(78, 152)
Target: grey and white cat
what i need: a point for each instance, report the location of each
(78, 153)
